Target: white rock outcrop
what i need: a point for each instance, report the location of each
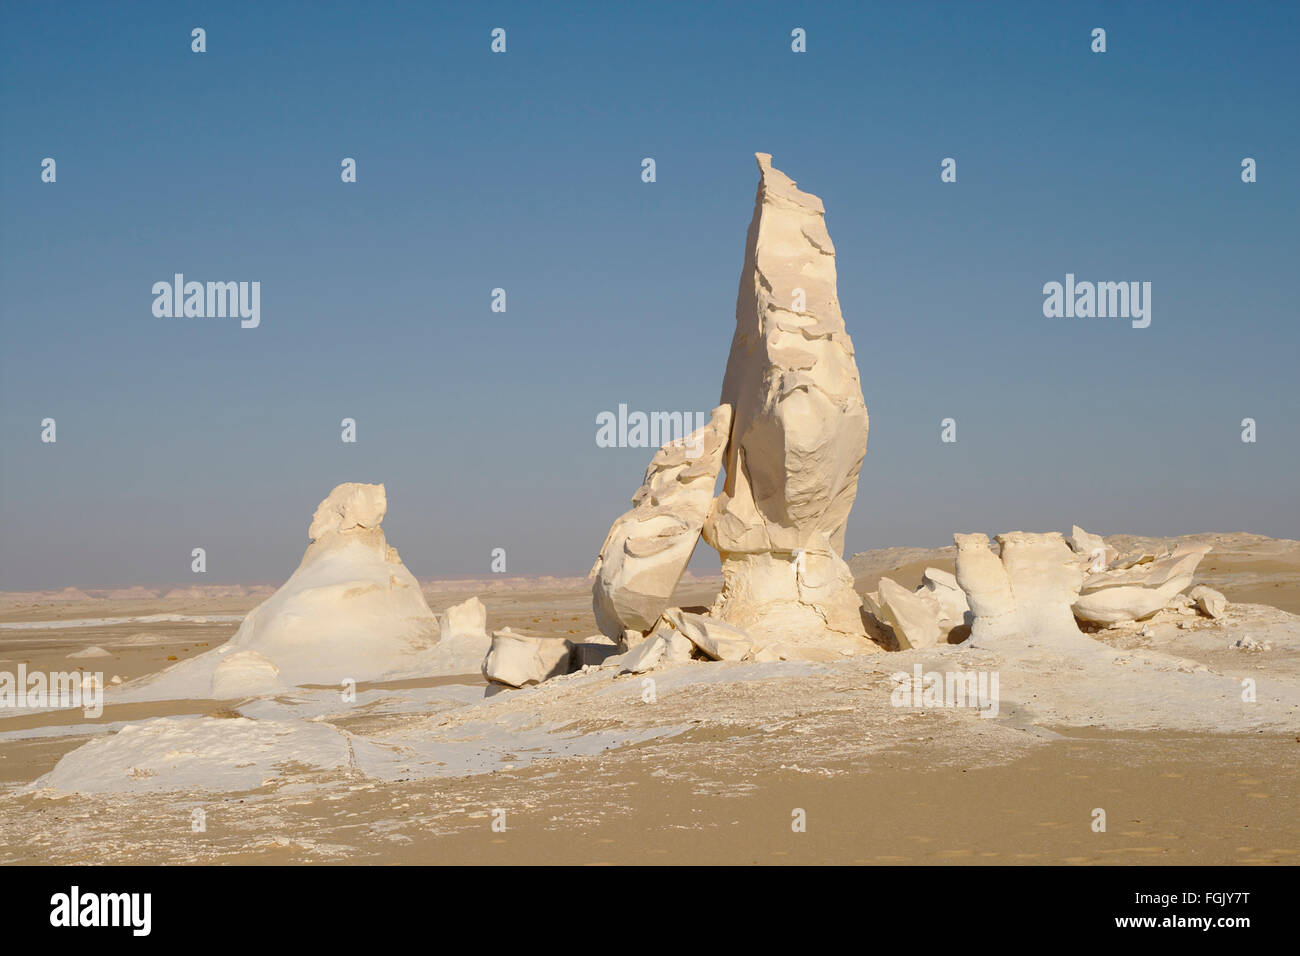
(1139, 591)
(1209, 601)
(463, 638)
(648, 547)
(935, 613)
(943, 587)
(519, 659)
(594, 651)
(351, 506)
(798, 435)
(1026, 593)
(1092, 548)
(351, 611)
(646, 656)
(913, 616)
(468, 619)
(715, 639)
(665, 648)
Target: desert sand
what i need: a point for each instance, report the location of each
(588, 772)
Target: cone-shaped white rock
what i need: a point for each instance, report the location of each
(648, 548)
(798, 435)
(351, 611)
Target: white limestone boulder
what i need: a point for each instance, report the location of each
(1091, 548)
(519, 659)
(594, 651)
(466, 619)
(644, 657)
(715, 639)
(1209, 601)
(943, 587)
(463, 638)
(678, 648)
(913, 616)
(1138, 591)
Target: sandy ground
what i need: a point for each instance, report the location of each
(717, 766)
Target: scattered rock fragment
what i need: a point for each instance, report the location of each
(1210, 602)
(519, 659)
(715, 639)
(1139, 591)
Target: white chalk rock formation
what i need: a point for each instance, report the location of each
(1210, 602)
(943, 587)
(463, 640)
(351, 611)
(715, 639)
(935, 613)
(1026, 593)
(594, 651)
(798, 435)
(648, 547)
(352, 506)
(467, 619)
(519, 659)
(678, 648)
(1139, 591)
(646, 656)
(665, 648)
(913, 616)
(1092, 548)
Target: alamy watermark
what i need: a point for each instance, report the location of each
(58, 690)
(133, 911)
(1100, 300)
(212, 300)
(931, 689)
(626, 429)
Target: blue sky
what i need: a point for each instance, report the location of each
(522, 171)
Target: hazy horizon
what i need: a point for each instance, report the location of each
(523, 171)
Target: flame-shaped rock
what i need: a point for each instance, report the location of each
(799, 433)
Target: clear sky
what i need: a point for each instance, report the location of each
(522, 171)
